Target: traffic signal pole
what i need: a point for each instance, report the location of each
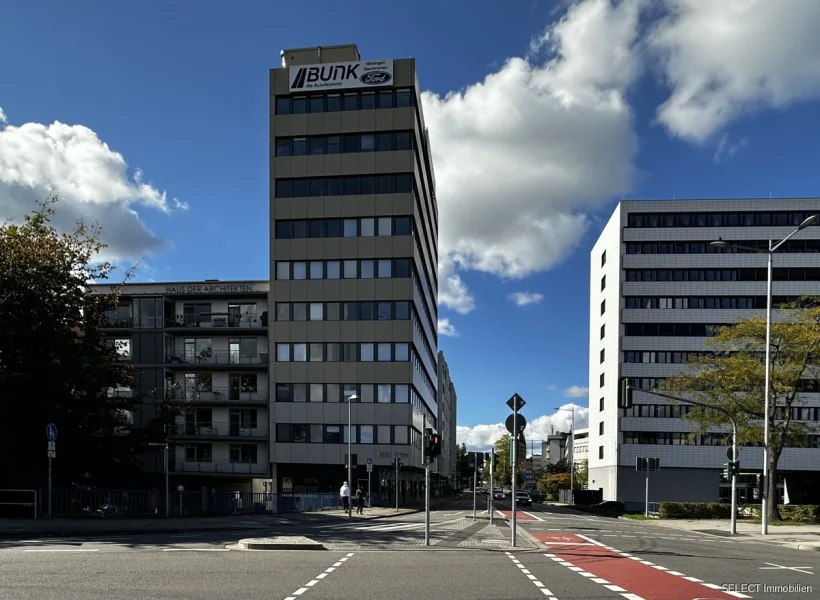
(492, 474)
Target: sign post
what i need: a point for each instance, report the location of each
(51, 452)
(647, 465)
(492, 468)
(515, 403)
(398, 465)
(167, 492)
(369, 471)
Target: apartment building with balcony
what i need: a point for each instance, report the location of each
(200, 348)
(658, 290)
(354, 254)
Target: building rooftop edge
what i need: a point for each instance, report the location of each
(186, 282)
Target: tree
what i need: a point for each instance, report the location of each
(549, 484)
(581, 475)
(503, 471)
(462, 464)
(732, 376)
(55, 365)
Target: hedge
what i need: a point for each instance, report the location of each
(806, 513)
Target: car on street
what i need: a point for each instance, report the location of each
(523, 498)
(499, 495)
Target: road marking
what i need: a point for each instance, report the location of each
(195, 550)
(319, 577)
(62, 550)
(531, 577)
(774, 566)
(536, 517)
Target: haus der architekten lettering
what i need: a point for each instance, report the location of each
(353, 251)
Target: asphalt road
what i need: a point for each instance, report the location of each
(587, 557)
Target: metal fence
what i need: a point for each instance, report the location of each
(149, 503)
(307, 502)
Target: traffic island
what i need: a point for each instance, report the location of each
(284, 542)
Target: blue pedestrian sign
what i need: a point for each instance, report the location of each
(370, 461)
(51, 432)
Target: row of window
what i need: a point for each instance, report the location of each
(700, 247)
(299, 433)
(805, 385)
(705, 302)
(385, 141)
(791, 274)
(351, 185)
(672, 329)
(203, 382)
(343, 352)
(343, 311)
(324, 103)
(668, 411)
(379, 268)
(673, 358)
(719, 219)
(237, 453)
(676, 438)
(381, 393)
(336, 228)
(202, 418)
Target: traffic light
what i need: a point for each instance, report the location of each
(625, 393)
(734, 467)
(727, 470)
(432, 443)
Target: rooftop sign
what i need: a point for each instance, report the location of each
(341, 76)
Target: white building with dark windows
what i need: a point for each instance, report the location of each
(658, 291)
(203, 347)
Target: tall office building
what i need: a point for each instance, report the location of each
(353, 251)
(658, 291)
(445, 464)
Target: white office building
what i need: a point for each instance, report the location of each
(658, 290)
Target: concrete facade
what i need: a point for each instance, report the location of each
(657, 287)
(353, 269)
(203, 348)
(445, 464)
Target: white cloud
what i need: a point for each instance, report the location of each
(92, 181)
(576, 391)
(726, 148)
(550, 387)
(724, 59)
(525, 298)
(481, 437)
(3, 118)
(519, 154)
(447, 328)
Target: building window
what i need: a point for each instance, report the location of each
(603, 354)
(317, 352)
(402, 353)
(384, 393)
(602, 379)
(282, 311)
(383, 434)
(600, 452)
(317, 392)
(198, 453)
(333, 270)
(601, 404)
(243, 453)
(603, 283)
(366, 434)
(384, 353)
(366, 352)
(603, 258)
(350, 269)
(333, 434)
(402, 393)
(283, 352)
(399, 183)
(317, 311)
(603, 331)
(603, 306)
(601, 428)
(299, 311)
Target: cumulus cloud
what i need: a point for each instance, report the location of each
(724, 59)
(446, 328)
(525, 298)
(482, 437)
(576, 391)
(71, 161)
(520, 154)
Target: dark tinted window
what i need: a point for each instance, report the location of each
(300, 229)
(300, 188)
(334, 103)
(283, 392)
(366, 311)
(368, 184)
(403, 98)
(334, 228)
(368, 101)
(334, 186)
(283, 106)
(351, 102)
(352, 186)
(351, 143)
(318, 145)
(384, 142)
(404, 140)
(384, 184)
(300, 147)
(386, 99)
(283, 147)
(299, 106)
(402, 311)
(334, 144)
(404, 183)
(317, 187)
(351, 311)
(317, 104)
(284, 188)
(403, 226)
(284, 229)
(317, 228)
(402, 267)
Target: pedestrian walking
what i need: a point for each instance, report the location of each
(360, 501)
(344, 493)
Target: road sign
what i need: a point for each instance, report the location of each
(369, 461)
(52, 454)
(516, 402)
(520, 423)
(730, 454)
(369, 467)
(51, 432)
(52, 446)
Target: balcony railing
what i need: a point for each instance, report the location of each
(217, 395)
(221, 466)
(218, 357)
(211, 430)
(119, 322)
(248, 321)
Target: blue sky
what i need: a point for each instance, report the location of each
(152, 117)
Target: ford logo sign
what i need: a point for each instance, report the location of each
(375, 78)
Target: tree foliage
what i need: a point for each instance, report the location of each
(581, 475)
(549, 484)
(55, 366)
(462, 464)
(732, 376)
(502, 472)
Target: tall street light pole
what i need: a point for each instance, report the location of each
(353, 398)
(764, 517)
(571, 456)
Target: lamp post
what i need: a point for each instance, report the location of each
(571, 456)
(353, 398)
(764, 516)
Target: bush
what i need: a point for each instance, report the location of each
(802, 513)
(808, 513)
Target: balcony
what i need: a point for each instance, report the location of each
(223, 467)
(118, 322)
(227, 395)
(221, 430)
(216, 323)
(211, 359)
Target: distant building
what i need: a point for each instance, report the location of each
(445, 465)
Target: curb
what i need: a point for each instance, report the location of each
(809, 546)
(275, 544)
(22, 535)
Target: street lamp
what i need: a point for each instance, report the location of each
(351, 399)
(571, 456)
(764, 517)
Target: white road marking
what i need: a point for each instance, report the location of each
(318, 578)
(195, 550)
(531, 577)
(537, 518)
(773, 566)
(62, 550)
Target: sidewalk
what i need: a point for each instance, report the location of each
(802, 537)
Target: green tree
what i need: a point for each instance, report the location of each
(55, 365)
(503, 471)
(462, 464)
(581, 475)
(549, 484)
(732, 376)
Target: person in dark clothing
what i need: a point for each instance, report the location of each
(360, 501)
